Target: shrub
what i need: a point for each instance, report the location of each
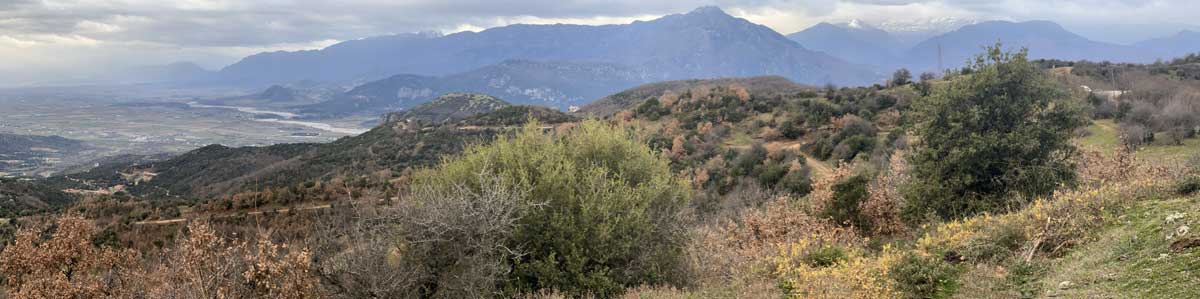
(66, 265)
(882, 208)
(651, 109)
(901, 77)
(436, 244)
(797, 181)
(825, 256)
(772, 174)
(608, 213)
(925, 277)
(748, 162)
(848, 274)
(1188, 185)
(792, 129)
(205, 265)
(851, 147)
(848, 195)
(1003, 130)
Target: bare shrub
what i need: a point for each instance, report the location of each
(435, 244)
(206, 265)
(66, 265)
(1135, 135)
(730, 253)
(885, 202)
(822, 189)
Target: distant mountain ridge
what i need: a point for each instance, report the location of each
(1044, 39)
(551, 84)
(857, 41)
(1181, 44)
(704, 43)
(860, 42)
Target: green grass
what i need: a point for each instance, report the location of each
(740, 138)
(1105, 137)
(1132, 259)
(1171, 153)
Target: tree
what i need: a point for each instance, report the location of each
(991, 137)
(901, 77)
(926, 84)
(607, 209)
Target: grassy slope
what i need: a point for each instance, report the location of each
(1130, 258)
(1105, 137)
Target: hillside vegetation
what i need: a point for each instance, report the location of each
(1003, 179)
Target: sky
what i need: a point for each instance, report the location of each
(55, 39)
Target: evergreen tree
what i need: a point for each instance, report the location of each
(998, 134)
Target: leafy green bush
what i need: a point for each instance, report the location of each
(825, 256)
(925, 277)
(796, 181)
(651, 109)
(1188, 185)
(848, 196)
(608, 208)
(1002, 130)
(772, 173)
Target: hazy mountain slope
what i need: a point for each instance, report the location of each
(553, 84)
(450, 107)
(19, 197)
(1178, 45)
(704, 43)
(13, 143)
(756, 86)
(1044, 40)
(29, 155)
(856, 41)
(282, 96)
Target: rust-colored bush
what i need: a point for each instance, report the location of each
(882, 208)
(66, 265)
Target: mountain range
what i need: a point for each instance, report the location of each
(562, 66)
(863, 43)
(704, 43)
(551, 84)
(854, 41)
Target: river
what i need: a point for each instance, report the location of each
(286, 118)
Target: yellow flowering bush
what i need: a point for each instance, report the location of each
(856, 276)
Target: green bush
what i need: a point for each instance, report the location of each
(1188, 185)
(1002, 130)
(925, 277)
(651, 109)
(825, 256)
(772, 174)
(607, 213)
(798, 182)
(848, 195)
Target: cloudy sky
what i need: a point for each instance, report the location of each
(45, 39)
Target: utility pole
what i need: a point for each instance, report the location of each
(941, 69)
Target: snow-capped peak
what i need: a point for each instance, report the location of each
(855, 23)
(938, 25)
